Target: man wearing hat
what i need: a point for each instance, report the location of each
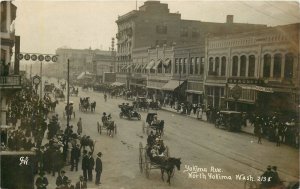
(91, 163)
(75, 154)
(98, 168)
(85, 164)
(104, 117)
(266, 176)
(62, 180)
(81, 184)
(41, 182)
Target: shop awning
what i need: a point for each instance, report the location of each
(157, 63)
(172, 85)
(117, 84)
(129, 66)
(137, 66)
(150, 65)
(85, 74)
(123, 67)
(143, 66)
(167, 62)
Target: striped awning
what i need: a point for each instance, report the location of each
(167, 62)
(150, 65)
(157, 63)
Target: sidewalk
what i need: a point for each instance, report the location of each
(248, 130)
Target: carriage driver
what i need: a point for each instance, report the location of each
(104, 117)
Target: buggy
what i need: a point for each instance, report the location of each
(153, 123)
(127, 111)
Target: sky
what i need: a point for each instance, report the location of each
(46, 25)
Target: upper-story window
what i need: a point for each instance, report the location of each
(176, 65)
(3, 16)
(180, 65)
(267, 66)
(161, 29)
(184, 65)
(184, 32)
(217, 66)
(243, 66)
(277, 66)
(234, 66)
(201, 69)
(192, 62)
(223, 66)
(288, 67)
(251, 66)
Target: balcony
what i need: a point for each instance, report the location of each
(10, 82)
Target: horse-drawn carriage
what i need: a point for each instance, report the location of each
(108, 125)
(48, 88)
(73, 91)
(127, 111)
(153, 123)
(230, 120)
(85, 104)
(163, 161)
(141, 103)
(69, 110)
(59, 94)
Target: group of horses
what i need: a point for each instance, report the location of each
(85, 105)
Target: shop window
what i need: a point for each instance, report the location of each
(234, 66)
(267, 66)
(288, 67)
(251, 66)
(243, 66)
(277, 66)
(223, 66)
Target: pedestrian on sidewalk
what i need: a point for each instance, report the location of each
(85, 164)
(81, 184)
(259, 134)
(75, 154)
(91, 163)
(62, 180)
(98, 168)
(41, 182)
(79, 126)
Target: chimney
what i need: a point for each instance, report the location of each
(229, 19)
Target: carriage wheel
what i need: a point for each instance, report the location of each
(141, 157)
(250, 185)
(100, 129)
(115, 129)
(143, 127)
(167, 151)
(139, 116)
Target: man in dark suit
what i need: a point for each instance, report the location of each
(90, 166)
(41, 182)
(98, 168)
(75, 154)
(81, 184)
(85, 164)
(62, 180)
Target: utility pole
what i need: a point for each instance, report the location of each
(68, 92)
(41, 74)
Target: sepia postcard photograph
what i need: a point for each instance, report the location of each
(149, 94)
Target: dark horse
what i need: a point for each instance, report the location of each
(159, 128)
(87, 141)
(110, 127)
(53, 105)
(93, 106)
(168, 166)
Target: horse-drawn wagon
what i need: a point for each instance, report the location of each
(59, 94)
(110, 127)
(85, 104)
(163, 161)
(152, 122)
(127, 111)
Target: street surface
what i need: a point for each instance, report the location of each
(197, 143)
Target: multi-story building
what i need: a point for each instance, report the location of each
(264, 64)
(10, 80)
(86, 60)
(154, 29)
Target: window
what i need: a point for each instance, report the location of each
(234, 66)
(184, 65)
(197, 62)
(210, 66)
(217, 65)
(201, 65)
(288, 67)
(168, 68)
(184, 32)
(161, 29)
(176, 64)
(243, 66)
(223, 66)
(180, 63)
(267, 66)
(277, 66)
(192, 65)
(251, 66)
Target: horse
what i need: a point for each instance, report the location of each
(53, 105)
(110, 127)
(87, 141)
(93, 106)
(168, 167)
